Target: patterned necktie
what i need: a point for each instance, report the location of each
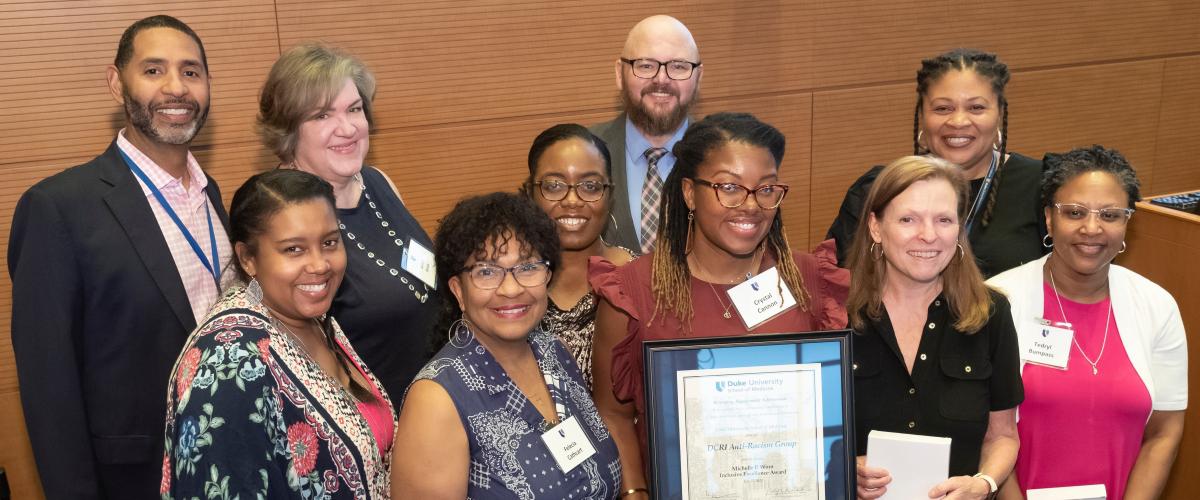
(651, 198)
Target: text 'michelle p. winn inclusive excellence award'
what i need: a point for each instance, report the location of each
(751, 432)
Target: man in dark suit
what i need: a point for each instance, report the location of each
(113, 262)
(658, 78)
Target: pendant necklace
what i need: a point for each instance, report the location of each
(1107, 319)
(726, 315)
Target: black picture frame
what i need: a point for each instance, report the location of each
(663, 359)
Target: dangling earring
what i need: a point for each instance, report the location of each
(254, 292)
(1046, 242)
(1123, 247)
(459, 334)
(687, 246)
(876, 256)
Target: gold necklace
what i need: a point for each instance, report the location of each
(726, 315)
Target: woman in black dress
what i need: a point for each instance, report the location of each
(962, 116)
(315, 114)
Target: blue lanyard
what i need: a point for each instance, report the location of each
(162, 201)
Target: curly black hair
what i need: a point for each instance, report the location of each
(1061, 168)
(465, 232)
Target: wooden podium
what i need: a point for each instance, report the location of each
(1164, 246)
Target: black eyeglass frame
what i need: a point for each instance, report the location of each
(716, 187)
(605, 186)
(660, 67)
(507, 270)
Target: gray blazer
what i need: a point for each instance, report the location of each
(620, 228)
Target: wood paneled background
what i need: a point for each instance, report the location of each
(464, 86)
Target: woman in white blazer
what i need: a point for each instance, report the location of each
(1103, 351)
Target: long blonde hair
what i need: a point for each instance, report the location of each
(962, 283)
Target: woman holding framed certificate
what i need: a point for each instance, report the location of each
(722, 267)
(1103, 349)
(935, 352)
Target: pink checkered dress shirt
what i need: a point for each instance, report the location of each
(190, 205)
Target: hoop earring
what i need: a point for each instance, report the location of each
(962, 254)
(921, 133)
(1047, 242)
(1123, 246)
(876, 256)
(687, 246)
(999, 140)
(254, 292)
(459, 334)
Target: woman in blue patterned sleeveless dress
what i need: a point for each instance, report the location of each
(501, 411)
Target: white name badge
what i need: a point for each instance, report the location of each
(568, 444)
(1045, 343)
(761, 298)
(418, 261)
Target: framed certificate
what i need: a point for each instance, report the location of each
(749, 417)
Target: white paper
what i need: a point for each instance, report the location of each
(1088, 492)
(751, 433)
(916, 463)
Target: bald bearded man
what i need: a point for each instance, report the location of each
(658, 78)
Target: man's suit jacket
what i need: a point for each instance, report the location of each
(620, 228)
(99, 316)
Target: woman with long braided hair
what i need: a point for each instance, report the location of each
(961, 116)
(721, 226)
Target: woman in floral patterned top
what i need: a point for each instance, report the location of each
(570, 179)
(268, 399)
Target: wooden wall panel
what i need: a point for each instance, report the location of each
(1115, 105)
(852, 130)
(863, 41)
(1177, 162)
(464, 85)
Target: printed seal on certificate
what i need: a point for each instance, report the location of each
(750, 417)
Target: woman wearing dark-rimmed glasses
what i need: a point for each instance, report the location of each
(484, 417)
(721, 225)
(569, 179)
(1113, 415)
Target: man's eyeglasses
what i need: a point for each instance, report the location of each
(490, 276)
(649, 68)
(1112, 215)
(556, 190)
(730, 195)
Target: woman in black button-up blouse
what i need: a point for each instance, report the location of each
(936, 351)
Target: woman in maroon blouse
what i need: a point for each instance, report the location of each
(721, 224)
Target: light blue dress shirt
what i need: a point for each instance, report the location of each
(636, 166)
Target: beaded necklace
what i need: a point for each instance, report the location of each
(421, 295)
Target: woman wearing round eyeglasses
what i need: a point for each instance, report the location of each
(722, 227)
(569, 172)
(1104, 351)
(501, 410)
